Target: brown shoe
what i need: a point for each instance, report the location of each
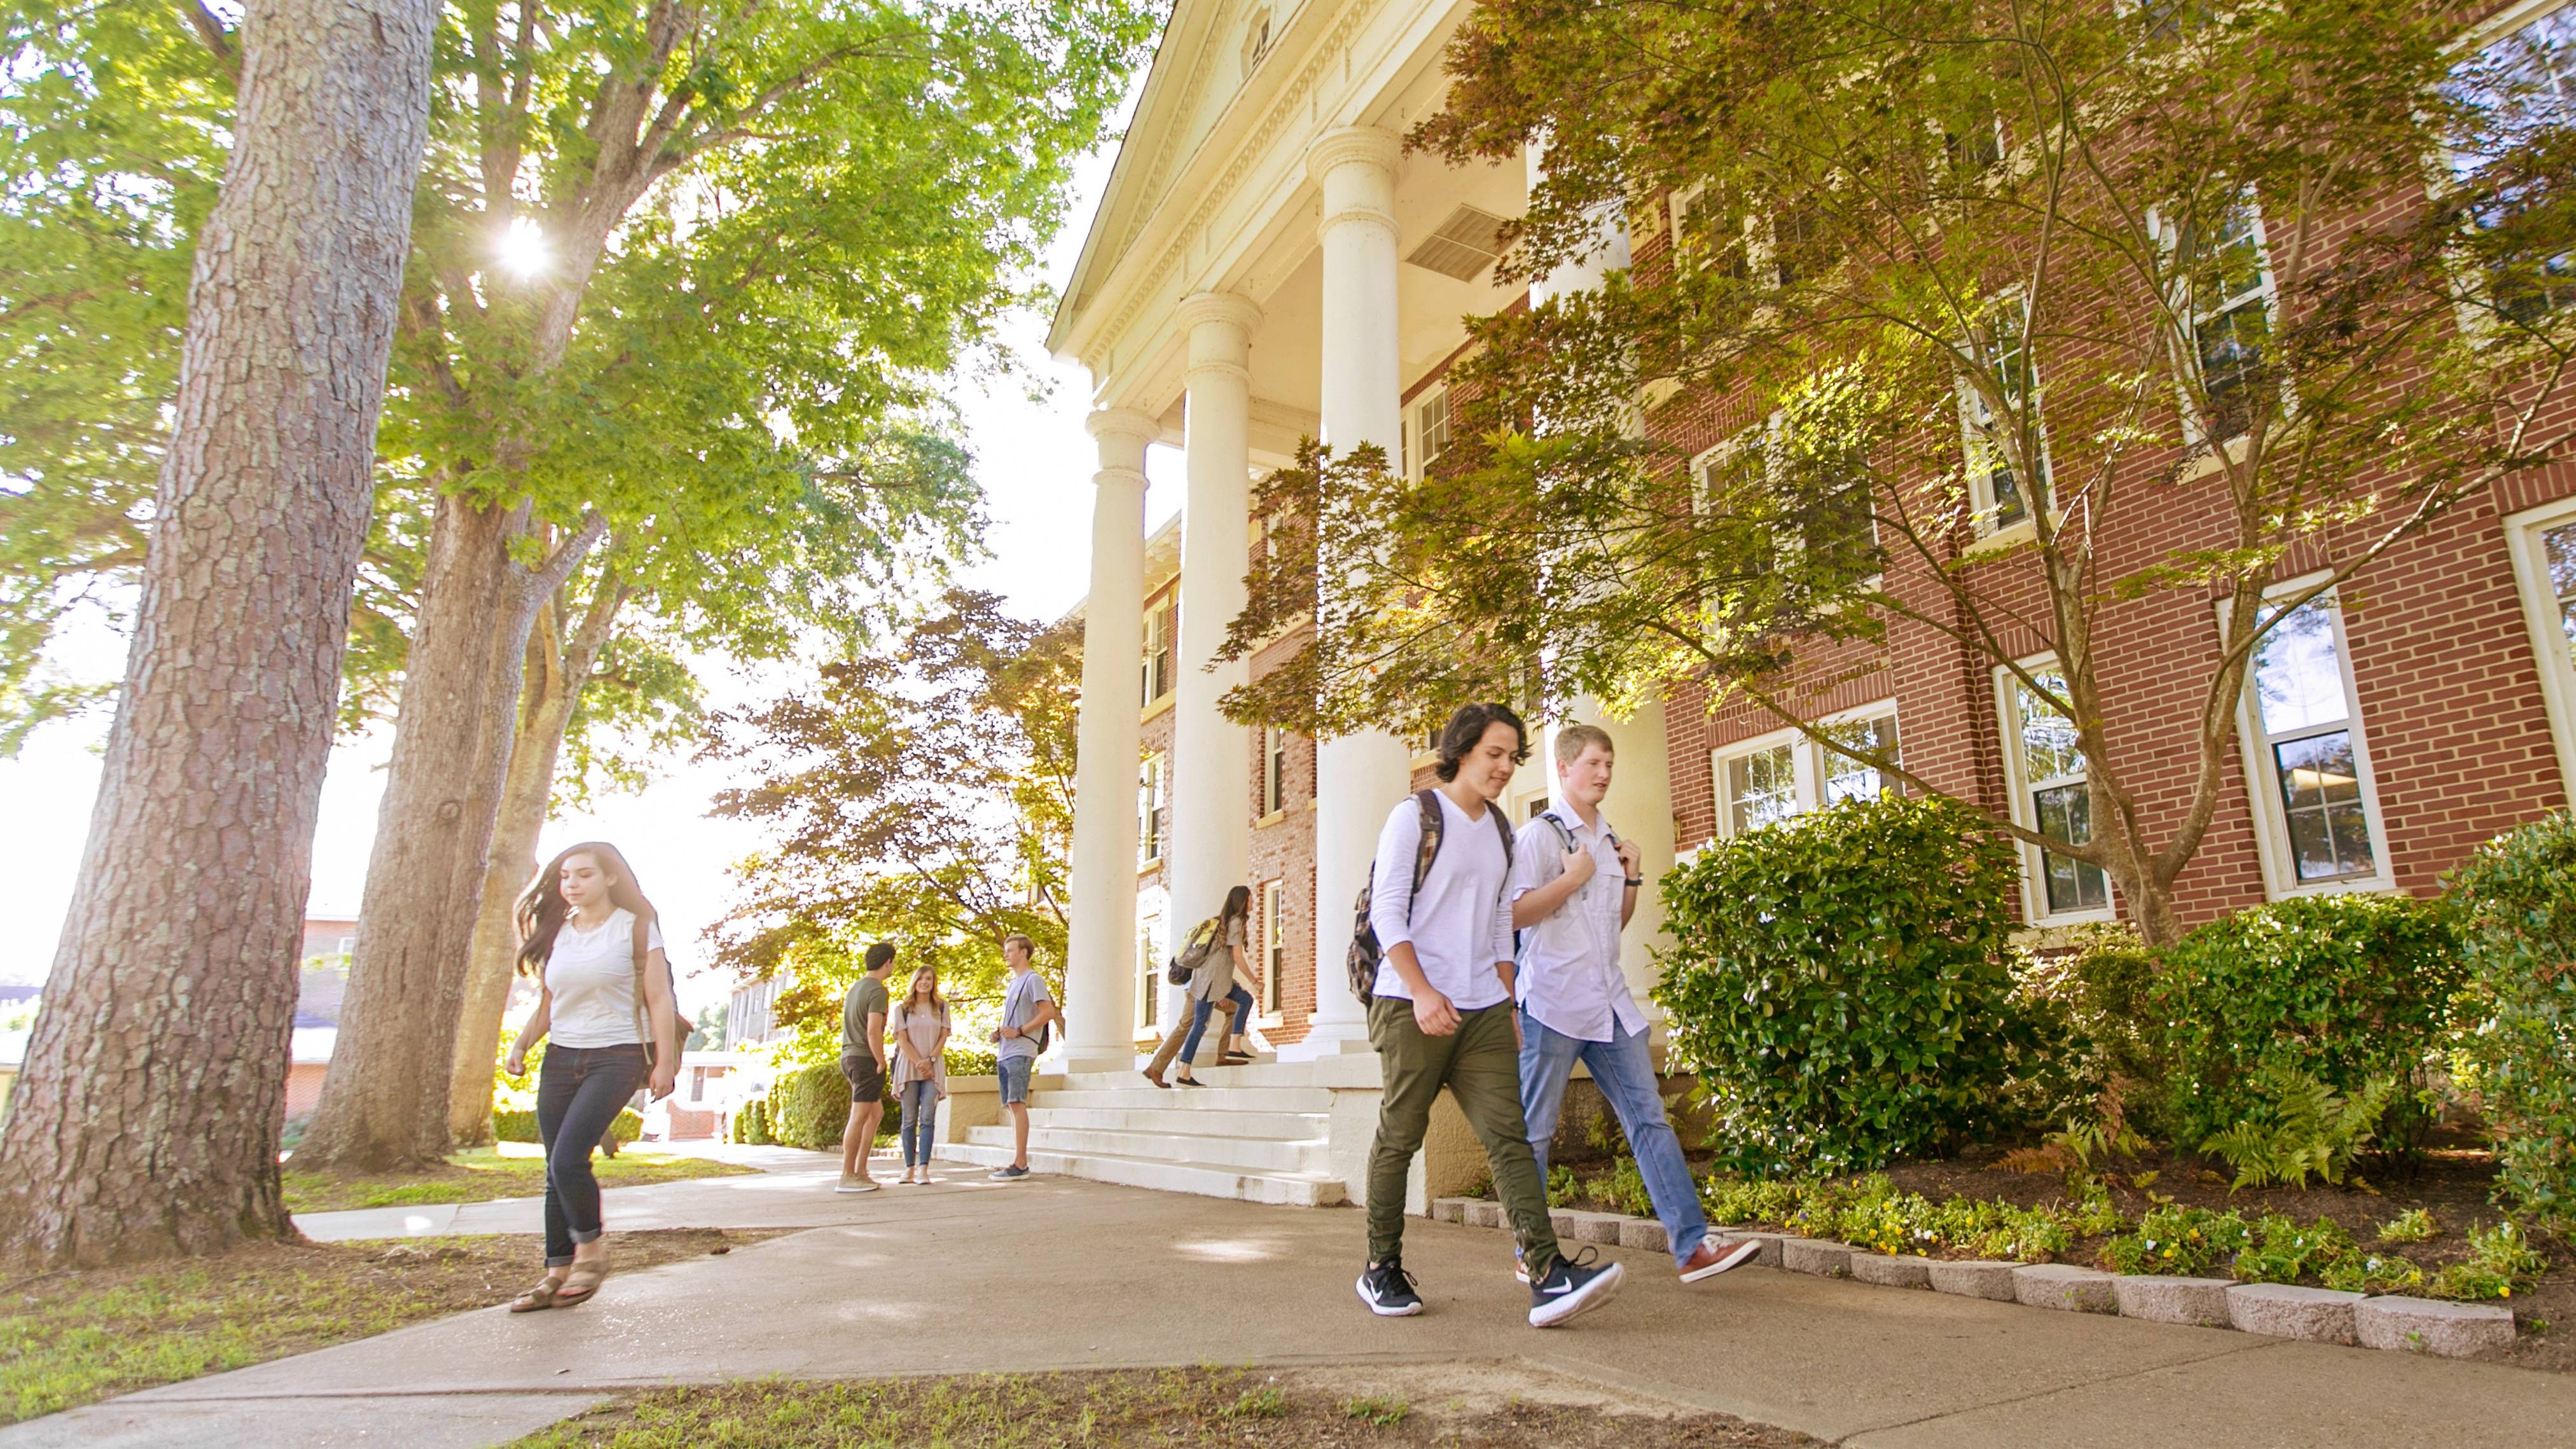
(1712, 1259)
(536, 1299)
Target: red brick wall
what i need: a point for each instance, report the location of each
(1283, 850)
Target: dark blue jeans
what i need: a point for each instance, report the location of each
(580, 1090)
(1199, 1013)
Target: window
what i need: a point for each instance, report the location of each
(2051, 796)
(1767, 780)
(1429, 432)
(2524, 80)
(1274, 770)
(2543, 541)
(2305, 757)
(1994, 489)
(2230, 316)
(1150, 808)
(1256, 40)
(1149, 960)
(1162, 632)
(1274, 942)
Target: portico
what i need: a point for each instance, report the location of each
(1268, 264)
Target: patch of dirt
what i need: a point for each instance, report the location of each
(1473, 1406)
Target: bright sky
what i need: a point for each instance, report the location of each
(1035, 462)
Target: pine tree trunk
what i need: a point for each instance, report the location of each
(146, 1120)
(385, 1097)
(557, 673)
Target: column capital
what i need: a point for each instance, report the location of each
(1123, 434)
(1203, 307)
(1373, 145)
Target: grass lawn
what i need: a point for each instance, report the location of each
(72, 1338)
(1166, 1408)
(480, 1174)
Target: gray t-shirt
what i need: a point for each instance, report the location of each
(867, 998)
(1019, 1008)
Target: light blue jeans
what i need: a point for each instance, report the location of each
(1625, 1072)
(920, 1120)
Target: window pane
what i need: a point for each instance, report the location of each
(2066, 813)
(1433, 426)
(1762, 788)
(2524, 86)
(2560, 544)
(2298, 681)
(2049, 751)
(1848, 779)
(2321, 792)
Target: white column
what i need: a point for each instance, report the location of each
(1211, 755)
(1358, 778)
(1583, 273)
(1099, 998)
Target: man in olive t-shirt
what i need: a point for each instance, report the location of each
(863, 1063)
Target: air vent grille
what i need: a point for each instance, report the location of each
(1463, 246)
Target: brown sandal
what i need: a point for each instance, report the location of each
(582, 1282)
(535, 1299)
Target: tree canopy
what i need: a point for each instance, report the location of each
(2009, 320)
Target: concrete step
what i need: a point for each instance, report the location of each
(1142, 1094)
(1294, 1189)
(1181, 1117)
(1260, 1074)
(1248, 1154)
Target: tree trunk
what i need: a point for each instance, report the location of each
(146, 1120)
(385, 1098)
(558, 670)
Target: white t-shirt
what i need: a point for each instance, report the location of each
(592, 976)
(1459, 927)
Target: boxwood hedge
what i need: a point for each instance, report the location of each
(2515, 904)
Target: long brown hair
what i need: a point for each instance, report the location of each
(912, 992)
(541, 909)
(1238, 907)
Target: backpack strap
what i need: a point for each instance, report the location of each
(1428, 801)
(643, 1019)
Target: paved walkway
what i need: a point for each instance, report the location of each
(1054, 1273)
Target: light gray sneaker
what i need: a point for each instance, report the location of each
(1006, 1174)
(850, 1183)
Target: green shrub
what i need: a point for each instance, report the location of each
(810, 1107)
(2515, 906)
(968, 1061)
(2344, 988)
(2300, 1126)
(518, 1126)
(751, 1124)
(1841, 984)
(2088, 998)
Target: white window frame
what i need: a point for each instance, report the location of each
(1274, 771)
(1153, 790)
(1418, 456)
(1807, 762)
(2025, 812)
(1158, 642)
(1982, 506)
(1153, 944)
(1274, 943)
(2271, 818)
(2475, 320)
(2266, 293)
(2523, 533)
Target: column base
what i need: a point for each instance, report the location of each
(1328, 1039)
(1099, 1059)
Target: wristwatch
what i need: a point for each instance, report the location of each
(1632, 884)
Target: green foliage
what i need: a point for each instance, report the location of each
(2415, 1225)
(968, 1061)
(2299, 1126)
(2500, 1259)
(2364, 1271)
(1378, 1409)
(521, 1126)
(2089, 999)
(2345, 988)
(921, 793)
(2515, 901)
(2282, 1251)
(751, 1124)
(1263, 1403)
(1627, 1189)
(1869, 1212)
(810, 1107)
(2181, 1242)
(1564, 1189)
(1841, 985)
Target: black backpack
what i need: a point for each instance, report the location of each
(1365, 953)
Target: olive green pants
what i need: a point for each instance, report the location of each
(1480, 1064)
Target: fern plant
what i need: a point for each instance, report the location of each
(2303, 1127)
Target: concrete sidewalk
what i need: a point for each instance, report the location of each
(1052, 1273)
(794, 1190)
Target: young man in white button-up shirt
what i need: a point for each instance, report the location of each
(1574, 886)
(1440, 1015)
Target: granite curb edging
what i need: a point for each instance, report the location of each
(2275, 1310)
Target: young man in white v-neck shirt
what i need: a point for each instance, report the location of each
(1574, 886)
(1440, 1015)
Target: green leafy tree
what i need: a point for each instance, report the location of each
(922, 794)
(2043, 325)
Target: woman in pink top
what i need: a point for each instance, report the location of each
(919, 1027)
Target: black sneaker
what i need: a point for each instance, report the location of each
(1571, 1286)
(1388, 1290)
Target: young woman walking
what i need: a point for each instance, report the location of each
(589, 935)
(1215, 979)
(919, 1026)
